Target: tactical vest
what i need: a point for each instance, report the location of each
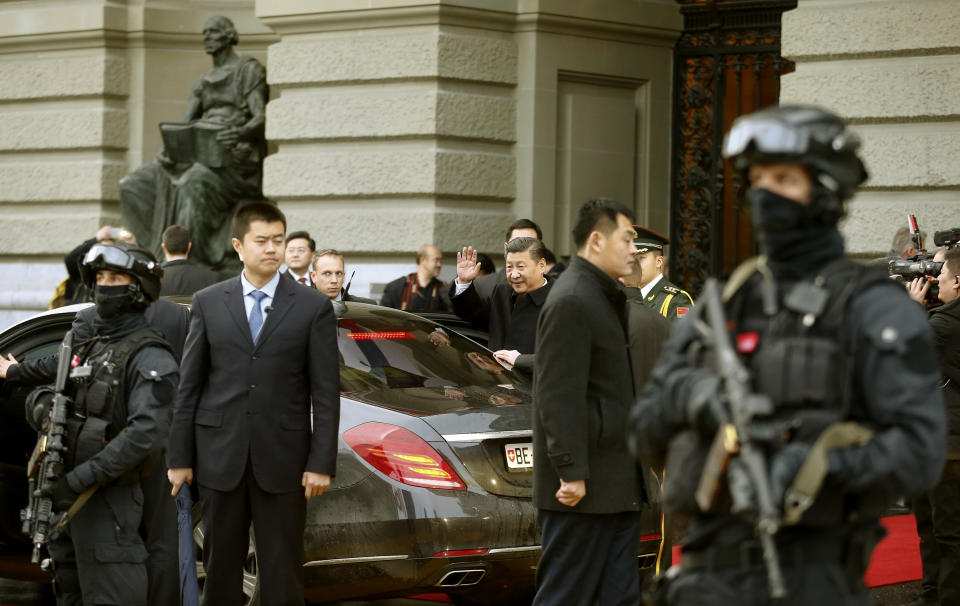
(100, 404)
(796, 345)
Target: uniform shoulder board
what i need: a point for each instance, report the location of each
(672, 289)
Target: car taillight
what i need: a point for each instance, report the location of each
(383, 335)
(402, 455)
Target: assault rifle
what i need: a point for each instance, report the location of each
(46, 464)
(734, 455)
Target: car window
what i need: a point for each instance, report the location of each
(409, 363)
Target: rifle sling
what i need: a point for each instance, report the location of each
(808, 481)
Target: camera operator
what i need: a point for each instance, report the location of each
(938, 511)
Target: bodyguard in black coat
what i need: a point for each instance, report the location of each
(586, 487)
(257, 413)
(510, 313)
(182, 277)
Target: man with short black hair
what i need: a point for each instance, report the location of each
(180, 275)
(510, 313)
(328, 274)
(257, 413)
(421, 290)
(586, 487)
(298, 256)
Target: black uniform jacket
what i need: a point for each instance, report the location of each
(239, 401)
(171, 319)
(181, 277)
(945, 321)
(510, 319)
(648, 333)
(150, 381)
(892, 376)
(583, 390)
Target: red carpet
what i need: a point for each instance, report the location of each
(896, 558)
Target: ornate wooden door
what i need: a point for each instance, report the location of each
(727, 63)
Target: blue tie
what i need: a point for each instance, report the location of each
(256, 314)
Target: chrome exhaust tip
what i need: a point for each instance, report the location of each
(462, 578)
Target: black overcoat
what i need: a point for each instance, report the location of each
(583, 390)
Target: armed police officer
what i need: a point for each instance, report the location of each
(122, 384)
(839, 384)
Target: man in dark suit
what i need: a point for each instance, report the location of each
(521, 228)
(586, 487)
(327, 274)
(180, 276)
(510, 313)
(297, 256)
(257, 413)
(422, 290)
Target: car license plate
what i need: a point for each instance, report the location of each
(519, 456)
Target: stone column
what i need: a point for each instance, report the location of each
(83, 85)
(408, 122)
(890, 68)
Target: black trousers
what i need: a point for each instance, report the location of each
(278, 524)
(159, 532)
(104, 552)
(938, 524)
(588, 559)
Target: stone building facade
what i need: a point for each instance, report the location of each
(890, 67)
(393, 123)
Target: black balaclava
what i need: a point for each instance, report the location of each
(119, 309)
(797, 239)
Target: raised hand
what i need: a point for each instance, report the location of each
(467, 267)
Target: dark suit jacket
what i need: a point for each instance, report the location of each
(181, 277)
(510, 324)
(945, 321)
(583, 390)
(238, 400)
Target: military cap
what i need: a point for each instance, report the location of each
(648, 239)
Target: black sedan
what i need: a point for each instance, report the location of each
(432, 495)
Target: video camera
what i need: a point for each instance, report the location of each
(947, 237)
(921, 264)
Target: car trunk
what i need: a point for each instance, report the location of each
(495, 444)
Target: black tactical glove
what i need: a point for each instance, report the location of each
(784, 468)
(697, 404)
(61, 494)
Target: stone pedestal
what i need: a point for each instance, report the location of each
(890, 68)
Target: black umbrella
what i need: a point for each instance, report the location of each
(189, 588)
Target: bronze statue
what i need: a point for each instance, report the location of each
(211, 162)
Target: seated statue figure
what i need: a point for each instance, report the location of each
(211, 163)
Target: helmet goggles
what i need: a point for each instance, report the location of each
(109, 256)
(767, 136)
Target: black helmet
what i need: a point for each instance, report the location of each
(799, 134)
(140, 264)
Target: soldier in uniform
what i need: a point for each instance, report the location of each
(648, 285)
(123, 382)
(844, 363)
